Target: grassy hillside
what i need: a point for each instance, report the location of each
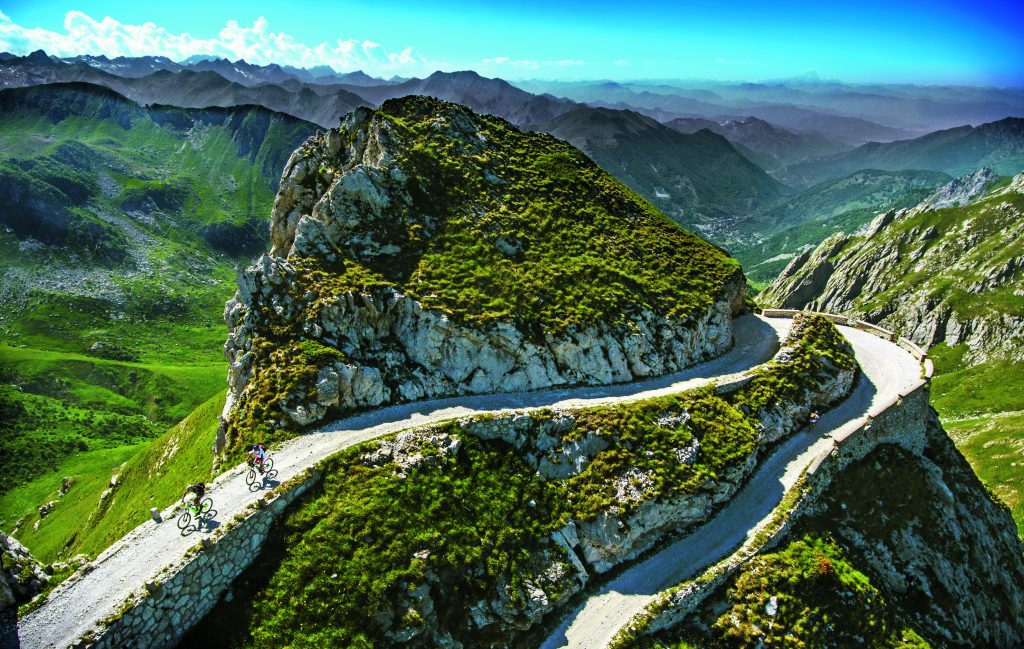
(806, 219)
(982, 409)
(121, 227)
(788, 598)
(93, 513)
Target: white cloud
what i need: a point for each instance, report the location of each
(256, 44)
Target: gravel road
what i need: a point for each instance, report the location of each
(75, 607)
(887, 370)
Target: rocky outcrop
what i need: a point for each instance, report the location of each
(21, 576)
(933, 540)
(397, 350)
(963, 190)
(350, 199)
(932, 276)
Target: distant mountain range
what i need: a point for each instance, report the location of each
(998, 145)
(698, 179)
(238, 71)
(722, 159)
(851, 113)
(773, 148)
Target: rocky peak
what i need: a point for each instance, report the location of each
(426, 250)
(962, 190)
(353, 189)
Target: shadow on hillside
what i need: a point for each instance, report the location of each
(9, 628)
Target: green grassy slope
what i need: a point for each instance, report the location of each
(805, 595)
(148, 475)
(982, 409)
(592, 249)
(120, 227)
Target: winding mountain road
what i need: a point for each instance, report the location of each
(887, 370)
(75, 607)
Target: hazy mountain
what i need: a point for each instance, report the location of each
(771, 147)
(956, 151)
(698, 179)
(323, 74)
(806, 104)
(483, 95)
(189, 89)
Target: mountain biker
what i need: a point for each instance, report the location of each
(199, 489)
(815, 417)
(258, 454)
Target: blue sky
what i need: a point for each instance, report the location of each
(864, 41)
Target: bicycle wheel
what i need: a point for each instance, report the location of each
(184, 520)
(268, 465)
(250, 477)
(205, 506)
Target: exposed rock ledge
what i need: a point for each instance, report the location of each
(396, 350)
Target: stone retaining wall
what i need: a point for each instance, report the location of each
(160, 614)
(902, 421)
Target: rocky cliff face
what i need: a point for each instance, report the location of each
(948, 270)
(422, 250)
(933, 541)
(21, 576)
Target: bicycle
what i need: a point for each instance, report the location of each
(264, 468)
(205, 505)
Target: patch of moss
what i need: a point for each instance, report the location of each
(368, 536)
(287, 373)
(805, 596)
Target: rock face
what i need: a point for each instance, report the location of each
(963, 190)
(950, 559)
(21, 576)
(934, 275)
(362, 235)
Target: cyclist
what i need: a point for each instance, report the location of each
(815, 417)
(257, 454)
(199, 489)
